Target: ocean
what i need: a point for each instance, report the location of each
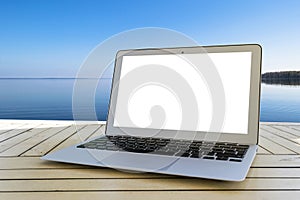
(51, 99)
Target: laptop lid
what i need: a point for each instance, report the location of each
(197, 93)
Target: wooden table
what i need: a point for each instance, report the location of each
(275, 173)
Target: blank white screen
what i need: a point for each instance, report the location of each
(234, 69)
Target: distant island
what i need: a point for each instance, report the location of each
(281, 78)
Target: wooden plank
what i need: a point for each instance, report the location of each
(163, 184)
(37, 122)
(280, 123)
(292, 146)
(20, 138)
(287, 132)
(7, 127)
(274, 173)
(100, 131)
(80, 173)
(5, 131)
(106, 173)
(174, 195)
(292, 130)
(273, 147)
(81, 135)
(37, 163)
(46, 146)
(14, 132)
(261, 150)
(33, 163)
(295, 127)
(283, 131)
(276, 161)
(32, 141)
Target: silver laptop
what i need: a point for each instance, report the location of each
(190, 111)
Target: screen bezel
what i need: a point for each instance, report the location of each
(254, 98)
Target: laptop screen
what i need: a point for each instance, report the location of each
(152, 96)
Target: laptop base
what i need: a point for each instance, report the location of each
(145, 162)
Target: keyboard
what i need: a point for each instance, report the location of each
(222, 151)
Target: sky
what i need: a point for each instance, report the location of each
(51, 38)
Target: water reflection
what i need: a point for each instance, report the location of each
(281, 81)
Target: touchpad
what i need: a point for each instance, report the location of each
(144, 162)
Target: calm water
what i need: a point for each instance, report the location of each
(52, 99)
(49, 99)
(280, 103)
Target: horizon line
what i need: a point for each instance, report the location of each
(54, 78)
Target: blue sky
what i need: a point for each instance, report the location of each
(52, 38)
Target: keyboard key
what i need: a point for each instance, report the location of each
(209, 157)
(212, 153)
(163, 153)
(185, 155)
(235, 160)
(239, 156)
(221, 158)
(194, 156)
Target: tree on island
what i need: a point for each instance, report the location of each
(282, 77)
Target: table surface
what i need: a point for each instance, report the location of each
(274, 174)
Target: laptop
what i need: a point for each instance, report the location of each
(188, 111)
